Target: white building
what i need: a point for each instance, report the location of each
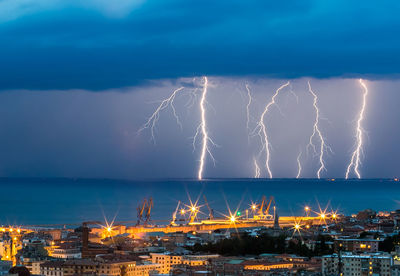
(66, 252)
(348, 264)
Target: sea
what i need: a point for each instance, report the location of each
(66, 201)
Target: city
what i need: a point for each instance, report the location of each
(254, 240)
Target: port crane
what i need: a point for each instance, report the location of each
(263, 211)
(210, 211)
(148, 208)
(175, 213)
(144, 211)
(140, 211)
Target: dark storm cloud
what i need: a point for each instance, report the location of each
(58, 45)
(77, 133)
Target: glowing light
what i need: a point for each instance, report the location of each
(261, 130)
(11, 229)
(253, 206)
(298, 165)
(108, 227)
(194, 208)
(322, 214)
(297, 226)
(257, 170)
(233, 218)
(203, 128)
(334, 214)
(307, 208)
(182, 211)
(153, 119)
(317, 132)
(355, 157)
(19, 230)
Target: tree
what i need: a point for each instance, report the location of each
(248, 245)
(20, 270)
(388, 244)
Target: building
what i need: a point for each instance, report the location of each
(5, 267)
(167, 261)
(9, 245)
(228, 265)
(256, 265)
(357, 245)
(395, 270)
(67, 251)
(91, 250)
(34, 267)
(146, 268)
(177, 238)
(96, 267)
(349, 264)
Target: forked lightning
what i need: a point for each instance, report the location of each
(261, 130)
(355, 157)
(153, 119)
(323, 147)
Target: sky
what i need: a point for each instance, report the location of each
(79, 78)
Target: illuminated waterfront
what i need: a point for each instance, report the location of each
(39, 201)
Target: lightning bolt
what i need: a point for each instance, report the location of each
(153, 119)
(202, 128)
(256, 169)
(250, 99)
(355, 157)
(261, 129)
(298, 165)
(317, 133)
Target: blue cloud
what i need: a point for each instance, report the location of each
(99, 45)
